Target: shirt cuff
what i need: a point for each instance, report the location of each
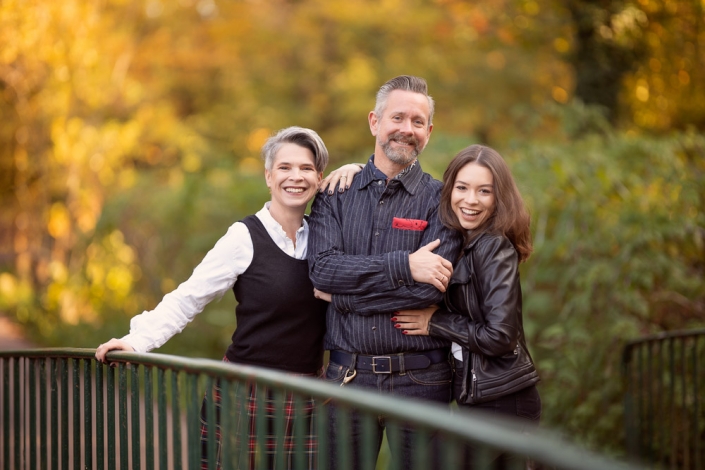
(399, 269)
(140, 345)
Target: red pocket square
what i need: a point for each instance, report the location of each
(409, 224)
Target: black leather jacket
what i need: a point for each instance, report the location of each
(482, 313)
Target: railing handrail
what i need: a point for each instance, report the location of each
(664, 335)
(542, 445)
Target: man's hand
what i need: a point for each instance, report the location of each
(430, 268)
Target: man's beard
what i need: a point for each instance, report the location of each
(399, 155)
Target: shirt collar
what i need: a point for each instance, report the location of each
(410, 177)
(269, 222)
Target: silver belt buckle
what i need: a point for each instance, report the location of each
(374, 364)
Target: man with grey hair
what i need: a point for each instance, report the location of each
(372, 254)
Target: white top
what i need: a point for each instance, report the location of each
(211, 279)
(457, 351)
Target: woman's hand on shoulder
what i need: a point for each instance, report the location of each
(112, 345)
(342, 177)
(414, 322)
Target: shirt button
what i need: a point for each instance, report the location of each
(374, 328)
(376, 234)
(381, 202)
(401, 282)
(379, 182)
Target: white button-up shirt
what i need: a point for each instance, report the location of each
(211, 279)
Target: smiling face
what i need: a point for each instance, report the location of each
(473, 196)
(402, 131)
(293, 179)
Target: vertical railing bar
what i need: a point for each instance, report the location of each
(32, 404)
(683, 415)
(343, 437)
(260, 427)
(300, 455)
(6, 411)
(394, 440)
(243, 396)
(18, 415)
(422, 454)
(87, 413)
(649, 401)
(696, 404)
(210, 397)
(54, 407)
(193, 427)
(226, 423)
(76, 411)
(65, 444)
(368, 440)
(123, 415)
(671, 433)
(451, 453)
(639, 423)
(111, 421)
(162, 420)
(321, 426)
(658, 402)
(629, 391)
(43, 413)
(149, 417)
(135, 437)
(280, 396)
(99, 416)
(176, 420)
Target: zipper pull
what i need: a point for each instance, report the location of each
(474, 377)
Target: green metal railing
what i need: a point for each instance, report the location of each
(61, 409)
(665, 399)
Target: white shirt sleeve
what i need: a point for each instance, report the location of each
(211, 279)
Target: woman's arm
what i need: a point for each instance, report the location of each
(212, 278)
(496, 329)
(342, 175)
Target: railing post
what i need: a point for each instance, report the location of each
(135, 438)
(122, 413)
(87, 413)
(112, 442)
(148, 418)
(176, 418)
(100, 402)
(161, 410)
(5, 411)
(32, 450)
(76, 411)
(43, 413)
(64, 413)
(18, 412)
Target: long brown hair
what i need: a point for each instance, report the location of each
(510, 217)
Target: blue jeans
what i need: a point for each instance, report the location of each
(432, 383)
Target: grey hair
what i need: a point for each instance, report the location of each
(300, 136)
(404, 83)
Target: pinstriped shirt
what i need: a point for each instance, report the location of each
(359, 247)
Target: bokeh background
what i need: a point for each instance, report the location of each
(130, 133)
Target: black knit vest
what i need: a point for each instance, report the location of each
(280, 324)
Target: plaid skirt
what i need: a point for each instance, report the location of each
(286, 440)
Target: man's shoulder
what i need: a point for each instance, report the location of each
(430, 184)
